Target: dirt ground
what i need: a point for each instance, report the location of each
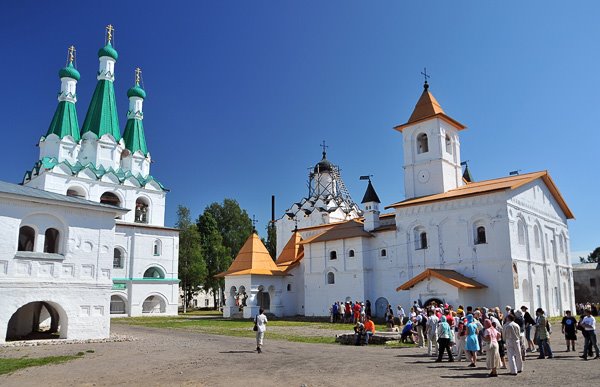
(160, 357)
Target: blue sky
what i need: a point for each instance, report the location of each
(241, 94)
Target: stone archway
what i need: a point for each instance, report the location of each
(154, 304)
(118, 304)
(381, 306)
(36, 321)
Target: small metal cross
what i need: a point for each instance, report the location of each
(71, 53)
(324, 147)
(138, 74)
(109, 31)
(425, 75)
(254, 221)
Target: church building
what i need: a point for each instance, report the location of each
(101, 174)
(454, 240)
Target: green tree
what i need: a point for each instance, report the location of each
(192, 268)
(233, 223)
(271, 241)
(593, 257)
(216, 255)
(224, 229)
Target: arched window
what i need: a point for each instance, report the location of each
(117, 259)
(423, 240)
(480, 235)
(289, 287)
(422, 143)
(156, 248)
(76, 192)
(521, 231)
(141, 210)
(536, 235)
(332, 254)
(383, 252)
(330, 278)
(26, 238)
(51, 241)
(448, 144)
(351, 253)
(110, 198)
(153, 272)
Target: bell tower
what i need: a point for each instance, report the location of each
(431, 149)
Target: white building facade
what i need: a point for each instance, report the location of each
(101, 164)
(490, 243)
(55, 265)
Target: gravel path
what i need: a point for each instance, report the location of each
(159, 357)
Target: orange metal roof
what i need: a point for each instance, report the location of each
(452, 277)
(293, 251)
(253, 258)
(428, 107)
(487, 186)
(350, 229)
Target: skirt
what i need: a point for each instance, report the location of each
(492, 356)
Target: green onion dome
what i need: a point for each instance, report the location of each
(69, 72)
(136, 91)
(108, 50)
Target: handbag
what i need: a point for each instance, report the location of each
(255, 326)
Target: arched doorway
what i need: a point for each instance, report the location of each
(117, 305)
(154, 304)
(263, 300)
(437, 301)
(381, 306)
(36, 321)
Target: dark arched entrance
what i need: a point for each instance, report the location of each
(263, 299)
(36, 321)
(437, 301)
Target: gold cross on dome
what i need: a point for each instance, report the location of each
(138, 75)
(109, 32)
(71, 53)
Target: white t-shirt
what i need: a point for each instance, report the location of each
(590, 321)
(401, 313)
(261, 322)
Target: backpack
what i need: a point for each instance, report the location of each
(423, 321)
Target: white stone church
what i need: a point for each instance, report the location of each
(482, 243)
(83, 237)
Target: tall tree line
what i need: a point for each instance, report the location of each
(208, 247)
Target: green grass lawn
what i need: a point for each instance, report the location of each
(8, 365)
(239, 328)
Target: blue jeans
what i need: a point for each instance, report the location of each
(368, 336)
(590, 342)
(545, 350)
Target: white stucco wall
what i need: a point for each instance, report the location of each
(77, 280)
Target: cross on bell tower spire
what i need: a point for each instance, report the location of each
(425, 75)
(324, 149)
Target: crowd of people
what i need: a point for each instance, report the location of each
(505, 336)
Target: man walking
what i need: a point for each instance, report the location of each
(512, 337)
(589, 325)
(261, 324)
(432, 333)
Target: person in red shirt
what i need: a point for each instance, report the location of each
(356, 310)
(369, 328)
